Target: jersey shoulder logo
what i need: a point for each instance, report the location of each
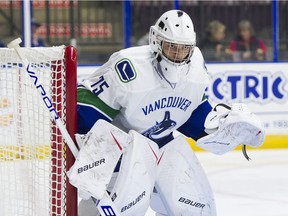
(125, 70)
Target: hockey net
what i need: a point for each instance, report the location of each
(33, 156)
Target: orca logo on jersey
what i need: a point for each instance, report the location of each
(125, 70)
(155, 131)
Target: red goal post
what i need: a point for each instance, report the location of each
(33, 156)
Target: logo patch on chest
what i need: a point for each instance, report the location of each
(175, 102)
(155, 131)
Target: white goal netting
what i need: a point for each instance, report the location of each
(32, 152)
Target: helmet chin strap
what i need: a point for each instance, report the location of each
(169, 72)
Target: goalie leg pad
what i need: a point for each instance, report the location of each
(181, 182)
(101, 149)
(135, 182)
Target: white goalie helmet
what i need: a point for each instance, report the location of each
(173, 40)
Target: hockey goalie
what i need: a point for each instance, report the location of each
(127, 113)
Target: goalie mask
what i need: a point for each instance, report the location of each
(173, 39)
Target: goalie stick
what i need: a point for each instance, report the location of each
(105, 205)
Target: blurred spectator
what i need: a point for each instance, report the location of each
(246, 46)
(212, 46)
(36, 40)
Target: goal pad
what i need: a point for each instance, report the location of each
(33, 155)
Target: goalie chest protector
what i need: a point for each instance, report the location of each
(147, 103)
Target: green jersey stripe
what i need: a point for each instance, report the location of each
(84, 96)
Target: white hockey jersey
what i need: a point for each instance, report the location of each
(129, 82)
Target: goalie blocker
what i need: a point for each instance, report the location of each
(92, 171)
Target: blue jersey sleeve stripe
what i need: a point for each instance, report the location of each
(194, 126)
(87, 116)
(96, 109)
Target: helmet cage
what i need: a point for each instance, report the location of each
(157, 41)
(176, 53)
